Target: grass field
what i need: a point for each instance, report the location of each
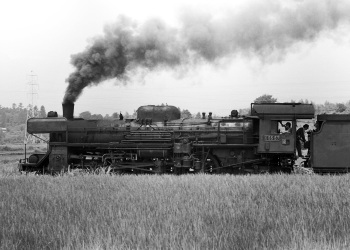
(173, 212)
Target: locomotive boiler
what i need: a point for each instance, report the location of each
(159, 141)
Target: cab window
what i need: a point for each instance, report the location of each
(285, 127)
(274, 127)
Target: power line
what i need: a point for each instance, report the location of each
(32, 96)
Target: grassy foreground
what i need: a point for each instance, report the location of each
(175, 212)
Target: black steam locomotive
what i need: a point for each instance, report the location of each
(159, 141)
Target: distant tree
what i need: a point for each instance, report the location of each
(115, 115)
(330, 107)
(245, 111)
(3, 120)
(265, 99)
(42, 112)
(2, 137)
(134, 115)
(85, 115)
(347, 104)
(22, 116)
(33, 110)
(340, 107)
(16, 118)
(306, 101)
(127, 115)
(96, 117)
(198, 115)
(36, 111)
(186, 114)
(29, 108)
(107, 116)
(319, 109)
(14, 106)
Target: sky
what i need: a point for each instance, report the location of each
(204, 56)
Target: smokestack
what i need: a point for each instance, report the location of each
(68, 110)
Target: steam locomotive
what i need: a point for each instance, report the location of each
(159, 141)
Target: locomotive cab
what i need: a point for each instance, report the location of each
(275, 137)
(277, 125)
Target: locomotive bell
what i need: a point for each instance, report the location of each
(68, 110)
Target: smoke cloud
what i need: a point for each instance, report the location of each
(266, 30)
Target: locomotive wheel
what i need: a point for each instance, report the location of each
(211, 165)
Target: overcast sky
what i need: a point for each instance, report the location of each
(221, 55)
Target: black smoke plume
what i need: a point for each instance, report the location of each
(266, 30)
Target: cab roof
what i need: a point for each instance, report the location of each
(283, 110)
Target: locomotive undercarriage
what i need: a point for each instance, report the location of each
(281, 163)
(200, 160)
(131, 161)
(124, 163)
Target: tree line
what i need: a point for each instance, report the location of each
(17, 114)
(13, 119)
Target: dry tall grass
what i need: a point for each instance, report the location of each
(175, 212)
(8, 164)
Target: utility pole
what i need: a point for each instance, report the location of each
(32, 96)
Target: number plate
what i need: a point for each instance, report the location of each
(272, 138)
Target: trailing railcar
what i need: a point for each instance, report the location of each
(158, 141)
(330, 144)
